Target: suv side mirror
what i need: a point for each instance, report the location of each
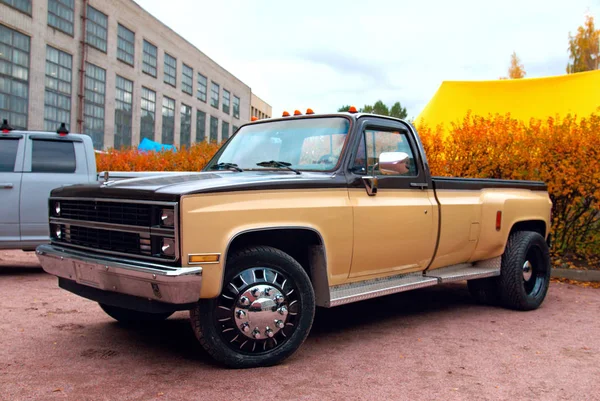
(394, 163)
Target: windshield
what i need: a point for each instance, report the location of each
(307, 144)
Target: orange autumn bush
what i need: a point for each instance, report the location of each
(564, 153)
(193, 158)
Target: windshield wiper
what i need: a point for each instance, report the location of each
(274, 163)
(228, 166)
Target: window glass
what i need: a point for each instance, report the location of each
(149, 59)
(14, 77)
(201, 91)
(186, 125)
(125, 45)
(52, 157)
(60, 15)
(236, 107)
(200, 126)
(148, 114)
(57, 97)
(224, 131)
(123, 112)
(226, 101)
(375, 142)
(21, 5)
(309, 144)
(8, 154)
(214, 95)
(187, 77)
(214, 129)
(93, 111)
(96, 31)
(170, 70)
(168, 121)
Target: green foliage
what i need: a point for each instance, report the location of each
(382, 109)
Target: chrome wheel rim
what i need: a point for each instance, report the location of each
(258, 310)
(527, 270)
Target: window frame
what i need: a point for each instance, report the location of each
(11, 4)
(142, 110)
(17, 105)
(89, 23)
(121, 39)
(236, 113)
(165, 69)
(212, 93)
(203, 130)
(146, 64)
(68, 170)
(185, 77)
(60, 4)
(49, 91)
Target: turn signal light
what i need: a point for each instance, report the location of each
(208, 258)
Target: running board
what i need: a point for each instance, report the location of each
(359, 291)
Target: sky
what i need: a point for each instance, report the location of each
(329, 53)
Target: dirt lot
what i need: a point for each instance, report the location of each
(426, 344)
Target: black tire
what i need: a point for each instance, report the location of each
(129, 316)
(268, 270)
(485, 291)
(516, 290)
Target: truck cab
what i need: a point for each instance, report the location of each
(32, 163)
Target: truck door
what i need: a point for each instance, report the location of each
(395, 228)
(11, 166)
(53, 162)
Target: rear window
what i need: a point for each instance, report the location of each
(52, 157)
(8, 154)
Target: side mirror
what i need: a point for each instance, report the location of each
(393, 163)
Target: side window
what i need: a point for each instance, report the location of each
(8, 154)
(373, 143)
(52, 157)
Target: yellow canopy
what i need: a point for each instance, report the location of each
(523, 98)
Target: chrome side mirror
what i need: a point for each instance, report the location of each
(393, 163)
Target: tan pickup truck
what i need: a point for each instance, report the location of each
(290, 214)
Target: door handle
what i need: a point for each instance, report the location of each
(420, 185)
(6, 185)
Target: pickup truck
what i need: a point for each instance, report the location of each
(291, 214)
(32, 163)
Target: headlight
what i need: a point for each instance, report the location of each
(167, 217)
(56, 231)
(167, 247)
(57, 208)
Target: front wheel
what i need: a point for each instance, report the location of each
(525, 276)
(263, 314)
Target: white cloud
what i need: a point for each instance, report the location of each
(324, 54)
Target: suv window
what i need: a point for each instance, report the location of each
(8, 154)
(52, 157)
(375, 142)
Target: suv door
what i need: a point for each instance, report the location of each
(11, 166)
(395, 227)
(52, 163)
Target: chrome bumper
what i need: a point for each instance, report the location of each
(175, 285)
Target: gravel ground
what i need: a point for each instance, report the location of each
(427, 344)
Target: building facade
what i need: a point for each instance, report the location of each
(259, 108)
(109, 69)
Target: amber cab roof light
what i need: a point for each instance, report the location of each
(297, 113)
(352, 109)
(310, 111)
(254, 118)
(285, 114)
(5, 128)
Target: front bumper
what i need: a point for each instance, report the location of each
(174, 285)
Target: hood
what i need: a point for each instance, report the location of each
(171, 187)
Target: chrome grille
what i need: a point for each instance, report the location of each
(107, 212)
(113, 226)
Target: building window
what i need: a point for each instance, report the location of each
(93, 112)
(234, 129)
(149, 59)
(148, 114)
(21, 5)
(187, 78)
(236, 107)
(200, 126)
(125, 45)
(214, 129)
(60, 15)
(214, 95)
(123, 112)
(57, 98)
(168, 121)
(224, 131)
(186, 126)
(96, 28)
(170, 70)
(202, 87)
(14, 77)
(226, 100)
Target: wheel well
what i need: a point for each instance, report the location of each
(295, 242)
(538, 226)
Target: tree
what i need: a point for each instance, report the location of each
(380, 108)
(516, 69)
(584, 48)
(398, 111)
